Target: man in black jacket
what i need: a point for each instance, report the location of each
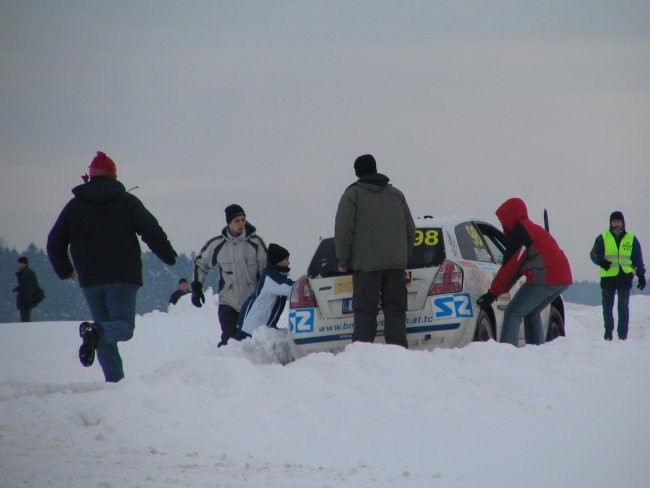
(27, 286)
(101, 225)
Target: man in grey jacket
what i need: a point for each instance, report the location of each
(239, 255)
(374, 234)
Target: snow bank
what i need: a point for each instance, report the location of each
(569, 413)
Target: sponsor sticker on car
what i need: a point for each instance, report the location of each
(343, 285)
(458, 305)
(301, 320)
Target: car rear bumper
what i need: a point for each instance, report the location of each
(309, 333)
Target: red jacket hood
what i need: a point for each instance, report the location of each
(511, 212)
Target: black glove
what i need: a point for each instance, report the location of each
(198, 298)
(641, 284)
(605, 264)
(485, 300)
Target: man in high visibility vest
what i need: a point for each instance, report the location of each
(618, 253)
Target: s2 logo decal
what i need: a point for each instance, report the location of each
(458, 305)
(301, 320)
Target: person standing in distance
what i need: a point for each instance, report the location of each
(239, 255)
(618, 254)
(374, 234)
(183, 289)
(27, 286)
(101, 225)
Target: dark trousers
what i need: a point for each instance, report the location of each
(25, 314)
(623, 310)
(371, 288)
(228, 318)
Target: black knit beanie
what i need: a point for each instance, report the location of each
(365, 165)
(617, 215)
(233, 211)
(276, 253)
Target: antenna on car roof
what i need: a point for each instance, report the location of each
(546, 220)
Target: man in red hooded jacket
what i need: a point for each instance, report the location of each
(531, 252)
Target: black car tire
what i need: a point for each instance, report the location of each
(555, 325)
(484, 328)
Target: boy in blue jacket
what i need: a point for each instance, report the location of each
(266, 304)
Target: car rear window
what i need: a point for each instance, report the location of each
(324, 262)
(428, 250)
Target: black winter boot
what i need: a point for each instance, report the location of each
(88, 333)
(608, 335)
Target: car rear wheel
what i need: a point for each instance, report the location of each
(555, 324)
(484, 328)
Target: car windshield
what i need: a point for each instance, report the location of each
(428, 250)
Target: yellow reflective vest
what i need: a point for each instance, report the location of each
(620, 257)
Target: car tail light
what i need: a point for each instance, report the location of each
(301, 294)
(448, 279)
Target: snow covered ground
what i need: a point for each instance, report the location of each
(572, 413)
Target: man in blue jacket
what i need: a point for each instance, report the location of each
(101, 225)
(618, 254)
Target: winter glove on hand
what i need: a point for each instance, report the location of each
(605, 264)
(198, 298)
(487, 299)
(641, 284)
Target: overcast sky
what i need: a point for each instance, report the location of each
(268, 103)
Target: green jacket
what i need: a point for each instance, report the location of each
(374, 229)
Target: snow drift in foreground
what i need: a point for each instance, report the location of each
(572, 413)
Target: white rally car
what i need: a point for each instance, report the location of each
(453, 263)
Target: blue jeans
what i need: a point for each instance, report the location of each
(527, 304)
(112, 307)
(623, 310)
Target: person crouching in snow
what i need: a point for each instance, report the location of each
(266, 304)
(531, 252)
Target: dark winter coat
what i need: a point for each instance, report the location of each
(530, 251)
(374, 229)
(621, 281)
(27, 286)
(174, 297)
(101, 224)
